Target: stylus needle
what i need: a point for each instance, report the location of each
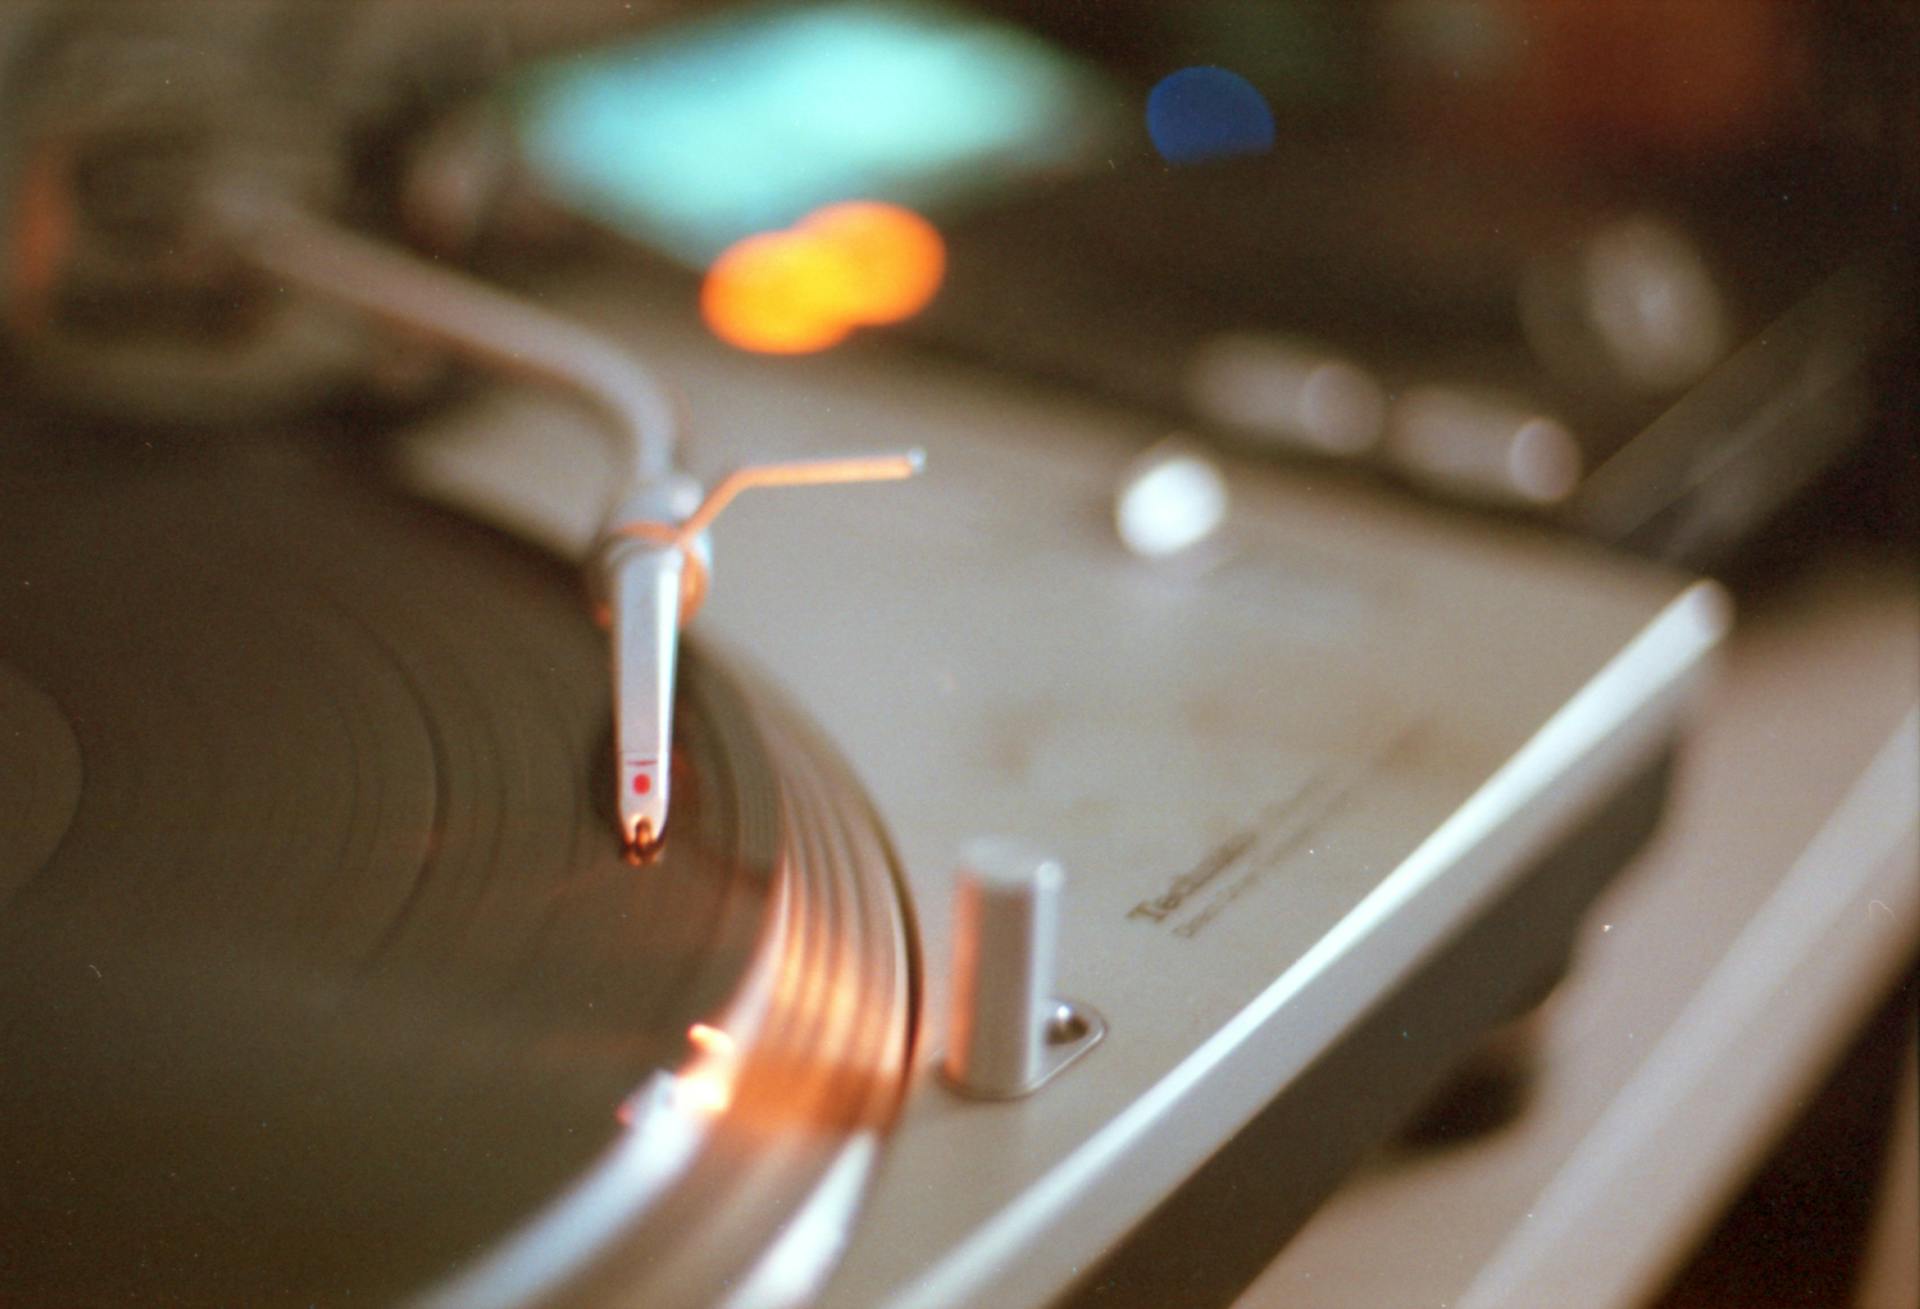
(644, 587)
(655, 566)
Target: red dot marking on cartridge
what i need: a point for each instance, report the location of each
(642, 784)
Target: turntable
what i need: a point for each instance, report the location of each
(1032, 921)
(327, 974)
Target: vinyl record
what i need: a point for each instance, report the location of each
(322, 975)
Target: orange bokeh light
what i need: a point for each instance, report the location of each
(893, 259)
(776, 293)
(804, 289)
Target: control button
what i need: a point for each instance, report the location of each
(1169, 499)
(1482, 447)
(1634, 306)
(1288, 394)
(1007, 1031)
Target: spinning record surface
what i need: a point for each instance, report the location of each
(322, 977)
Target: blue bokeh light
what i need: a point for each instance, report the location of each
(1203, 112)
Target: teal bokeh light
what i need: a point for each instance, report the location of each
(709, 133)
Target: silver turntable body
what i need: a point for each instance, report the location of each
(1291, 775)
